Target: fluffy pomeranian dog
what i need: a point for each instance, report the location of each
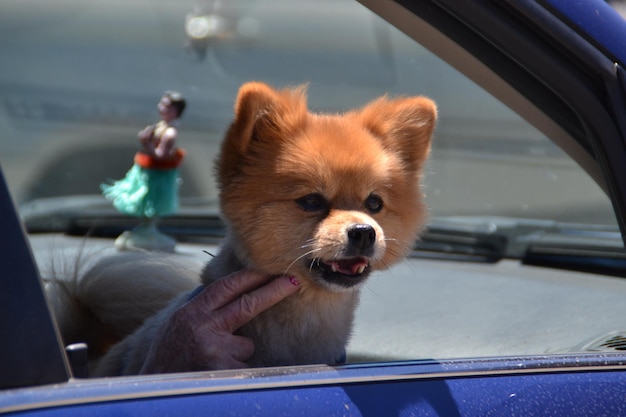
(327, 198)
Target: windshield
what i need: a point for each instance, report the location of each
(79, 79)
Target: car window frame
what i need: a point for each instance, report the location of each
(32, 352)
(522, 54)
(601, 156)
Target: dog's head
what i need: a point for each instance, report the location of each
(327, 198)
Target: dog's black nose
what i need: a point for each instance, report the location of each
(361, 236)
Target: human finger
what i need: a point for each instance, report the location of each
(241, 348)
(226, 289)
(248, 306)
(238, 350)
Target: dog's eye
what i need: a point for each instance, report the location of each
(312, 202)
(374, 203)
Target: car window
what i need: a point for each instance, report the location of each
(79, 79)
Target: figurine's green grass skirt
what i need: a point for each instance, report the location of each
(145, 192)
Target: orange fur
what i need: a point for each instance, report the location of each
(277, 152)
(324, 197)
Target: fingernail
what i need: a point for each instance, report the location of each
(294, 280)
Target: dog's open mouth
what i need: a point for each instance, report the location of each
(346, 272)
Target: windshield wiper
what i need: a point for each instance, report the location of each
(601, 253)
(461, 241)
(582, 247)
(95, 217)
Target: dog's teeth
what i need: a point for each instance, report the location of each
(333, 266)
(360, 269)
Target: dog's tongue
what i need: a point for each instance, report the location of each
(349, 266)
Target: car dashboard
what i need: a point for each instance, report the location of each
(429, 307)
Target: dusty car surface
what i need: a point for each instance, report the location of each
(511, 303)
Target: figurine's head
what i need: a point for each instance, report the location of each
(172, 105)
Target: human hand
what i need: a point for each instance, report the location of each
(199, 335)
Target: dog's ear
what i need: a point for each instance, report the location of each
(263, 116)
(262, 113)
(404, 125)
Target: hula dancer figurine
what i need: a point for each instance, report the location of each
(150, 188)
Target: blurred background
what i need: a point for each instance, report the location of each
(79, 79)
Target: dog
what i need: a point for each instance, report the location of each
(327, 198)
